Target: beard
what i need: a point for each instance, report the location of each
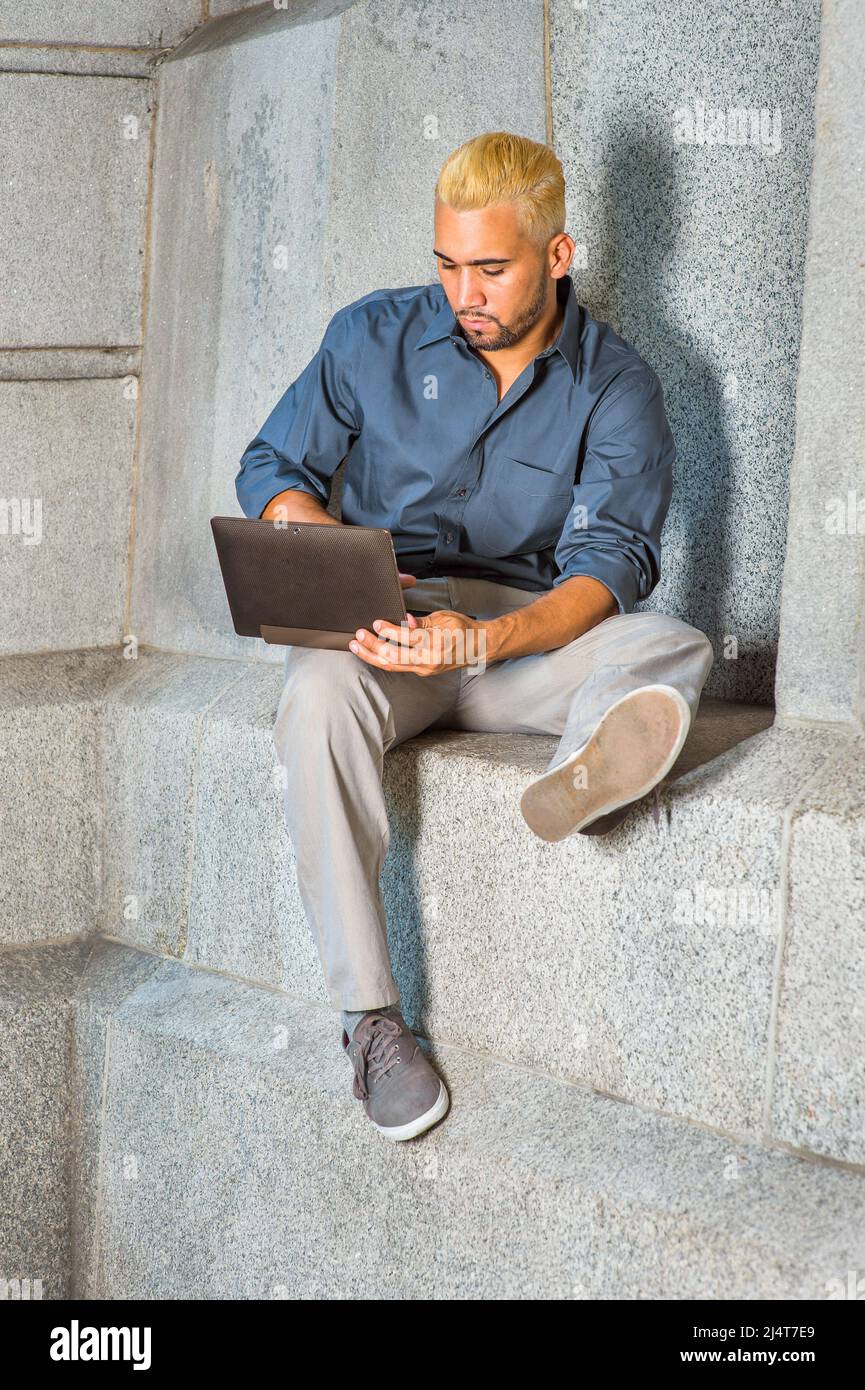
(501, 336)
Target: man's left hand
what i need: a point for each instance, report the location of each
(439, 641)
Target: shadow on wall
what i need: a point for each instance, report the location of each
(631, 290)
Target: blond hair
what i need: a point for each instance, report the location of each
(499, 167)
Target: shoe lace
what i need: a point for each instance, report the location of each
(376, 1053)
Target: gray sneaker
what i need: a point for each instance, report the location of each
(401, 1093)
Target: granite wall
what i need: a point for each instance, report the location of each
(295, 153)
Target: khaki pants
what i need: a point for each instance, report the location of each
(337, 718)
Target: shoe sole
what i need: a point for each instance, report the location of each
(422, 1122)
(635, 744)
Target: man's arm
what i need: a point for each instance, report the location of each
(610, 546)
(622, 494)
(308, 433)
(552, 620)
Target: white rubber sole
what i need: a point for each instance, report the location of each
(422, 1122)
(632, 748)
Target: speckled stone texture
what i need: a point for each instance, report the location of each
(694, 252)
(226, 7)
(50, 807)
(72, 225)
(245, 912)
(72, 261)
(648, 963)
(819, 1086)
(150, 740)
(219, 1153)
(147, 23)
(95, 62)
(65, 364)
(110, 975)
(231, 321)
(822, 652)
(643, 962)
(443, 74)
(37, 1116)
(66, 465)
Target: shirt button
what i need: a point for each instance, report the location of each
(462, 492)
(449, 537)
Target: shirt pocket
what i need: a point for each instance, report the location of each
(525, 507)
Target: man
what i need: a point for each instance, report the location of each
(519, 453)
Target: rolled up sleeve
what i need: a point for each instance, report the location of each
(310, 429)
(620, 501)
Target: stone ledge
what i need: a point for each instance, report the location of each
(646, 963)
(217, 1152)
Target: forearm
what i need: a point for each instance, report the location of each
(553, 620)
(295, 505)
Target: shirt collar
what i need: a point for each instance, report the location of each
(444, 325)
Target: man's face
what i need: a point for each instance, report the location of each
(496, 303)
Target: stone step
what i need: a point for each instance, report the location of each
(679, 962)
(216, 1152)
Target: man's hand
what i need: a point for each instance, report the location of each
(440, 641)
(444, 640)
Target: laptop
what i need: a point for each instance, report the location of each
(307, 583)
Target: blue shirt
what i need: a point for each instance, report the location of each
(570, 473)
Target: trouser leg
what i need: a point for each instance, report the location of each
(336, 718)
(567, 690)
